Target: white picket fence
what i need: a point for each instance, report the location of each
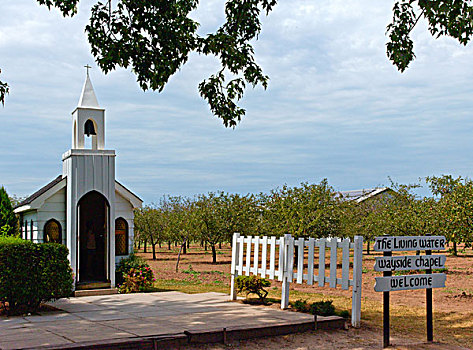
(281, 265)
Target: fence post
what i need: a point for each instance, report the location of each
(357, 282)
(285, 279)
(234, 271)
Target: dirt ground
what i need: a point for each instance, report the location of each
(453, 305)
(329, 340)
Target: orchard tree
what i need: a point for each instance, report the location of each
(149, 225)
(154, 39)
(8, 219)
(239, 214)
(454, 209)
(211, 221)
(309, 210)
(404, 214)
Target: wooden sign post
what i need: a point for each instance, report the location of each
(388, 263)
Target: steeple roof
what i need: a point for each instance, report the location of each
(87, 97)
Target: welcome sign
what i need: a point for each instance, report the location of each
(393, 283)
(388, 263)
(409, 262)
(393, 243)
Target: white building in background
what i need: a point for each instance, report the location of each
(85, 208)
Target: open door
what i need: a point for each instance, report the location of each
(93, 211)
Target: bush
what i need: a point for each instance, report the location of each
(253, 285)
(137, 279)
(126, 264)
(322, 308)
(301, 305)
(133, 274)
(32, 274)
(344, 314)
(8, 219)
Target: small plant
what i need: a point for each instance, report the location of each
(344, 314)
(444, 270)
(191, 271)
(137, 280)
(126, 264)
(301, 305)
(253, 285)
(322, 308)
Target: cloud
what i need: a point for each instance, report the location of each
(335, 108)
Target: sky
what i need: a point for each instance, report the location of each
(335, 106)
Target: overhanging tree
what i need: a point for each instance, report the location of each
(155, 37)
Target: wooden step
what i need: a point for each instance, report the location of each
(92, 292)
(93, 285)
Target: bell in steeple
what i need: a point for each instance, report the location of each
(88, 119)
(89, 128)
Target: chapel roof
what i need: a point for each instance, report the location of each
(39, 192)
(87, 97)
(57, 180)
(361, 195)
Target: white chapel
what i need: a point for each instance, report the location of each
(85, 208)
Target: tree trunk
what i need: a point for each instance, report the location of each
(175, 244)
(455, 252)
(145, 244)
(159, 244)
(368, 247)
(183, 245)
(169, 245)
(202, 243)
(219, 245)
(139, 244)
(205, 245)
(188, 244)
(184, 251)
(214, 254)
(153, 246)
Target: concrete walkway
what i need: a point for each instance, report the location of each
(97, 319)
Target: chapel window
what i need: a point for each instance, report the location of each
(52, 232)
(121, 237)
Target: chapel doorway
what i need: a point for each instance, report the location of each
(93, 211)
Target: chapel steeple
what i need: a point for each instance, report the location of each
(87, 97)
(88, 119)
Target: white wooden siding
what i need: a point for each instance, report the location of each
(53, 208)
(124, 209)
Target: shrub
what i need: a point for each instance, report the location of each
(8, 220)
(126, 264)
(253, 285)
(32, 274)
(322, 308)
(301, 305)
(137, 279)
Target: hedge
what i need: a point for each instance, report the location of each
(31, 274)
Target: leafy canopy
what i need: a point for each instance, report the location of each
(453, 18)
(155, 37)
(8, 220)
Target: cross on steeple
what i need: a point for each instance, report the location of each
(87, 67)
